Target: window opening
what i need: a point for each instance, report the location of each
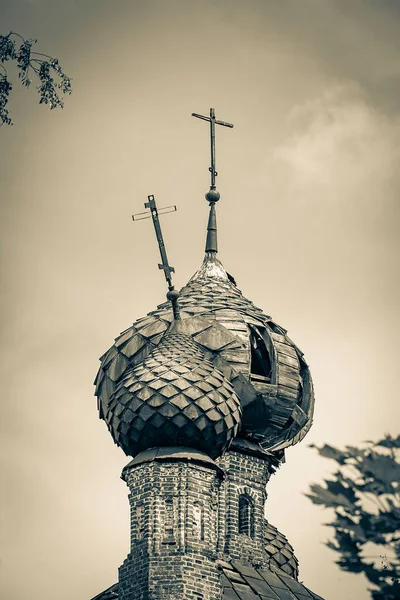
(246, 516)
(260, 360)
(232, 279)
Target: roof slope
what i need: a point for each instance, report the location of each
(280, 551)
(110, 594)
(241, 581)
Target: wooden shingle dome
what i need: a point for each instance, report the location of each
(174, 397)
(264, 367)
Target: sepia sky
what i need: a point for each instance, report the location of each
(308, 225)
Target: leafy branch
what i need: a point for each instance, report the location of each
(53, 82)
(365, 496)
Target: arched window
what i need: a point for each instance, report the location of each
(246, 515)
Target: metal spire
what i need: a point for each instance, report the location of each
(212, 195)
(172, 294)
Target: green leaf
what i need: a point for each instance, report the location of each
(324, 496)
(389, 442)
(371, 473)
(381, 468)
(7, 48)
(354, 527)
(28, 62)
(330, 452)
(337, 487)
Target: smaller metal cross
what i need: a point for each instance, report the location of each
(213, 121)
(165, 266)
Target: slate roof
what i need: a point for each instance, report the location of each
(242, 581)
(280, 551)
(110, 594)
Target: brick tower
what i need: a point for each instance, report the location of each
(204, 393)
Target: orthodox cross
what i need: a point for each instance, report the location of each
(172, 294)
(212, 195)
(213, 121)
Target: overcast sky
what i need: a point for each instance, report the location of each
(308, 225)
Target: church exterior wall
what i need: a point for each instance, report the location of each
(245, 475)
(185, 516)
(174, 533)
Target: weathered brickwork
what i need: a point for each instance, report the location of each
(174, 529)
(185, 515)
(245, 475)
(170, 576)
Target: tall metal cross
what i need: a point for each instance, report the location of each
(165, 266)
(213, 121)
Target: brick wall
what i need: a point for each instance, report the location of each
(184, 515)
(174, 532)
(245, 475)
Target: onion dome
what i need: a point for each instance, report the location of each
(280, 552)
(258, 362)
(264, 367)
(174, 397)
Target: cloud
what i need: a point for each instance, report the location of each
(339, 145)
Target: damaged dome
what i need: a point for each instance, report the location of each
(265, 369)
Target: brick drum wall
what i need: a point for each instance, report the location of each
(174, 525)
(185, 515)
(245, 475)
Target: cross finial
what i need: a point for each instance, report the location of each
(212, 195)
(172, 294)
(213, 121)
